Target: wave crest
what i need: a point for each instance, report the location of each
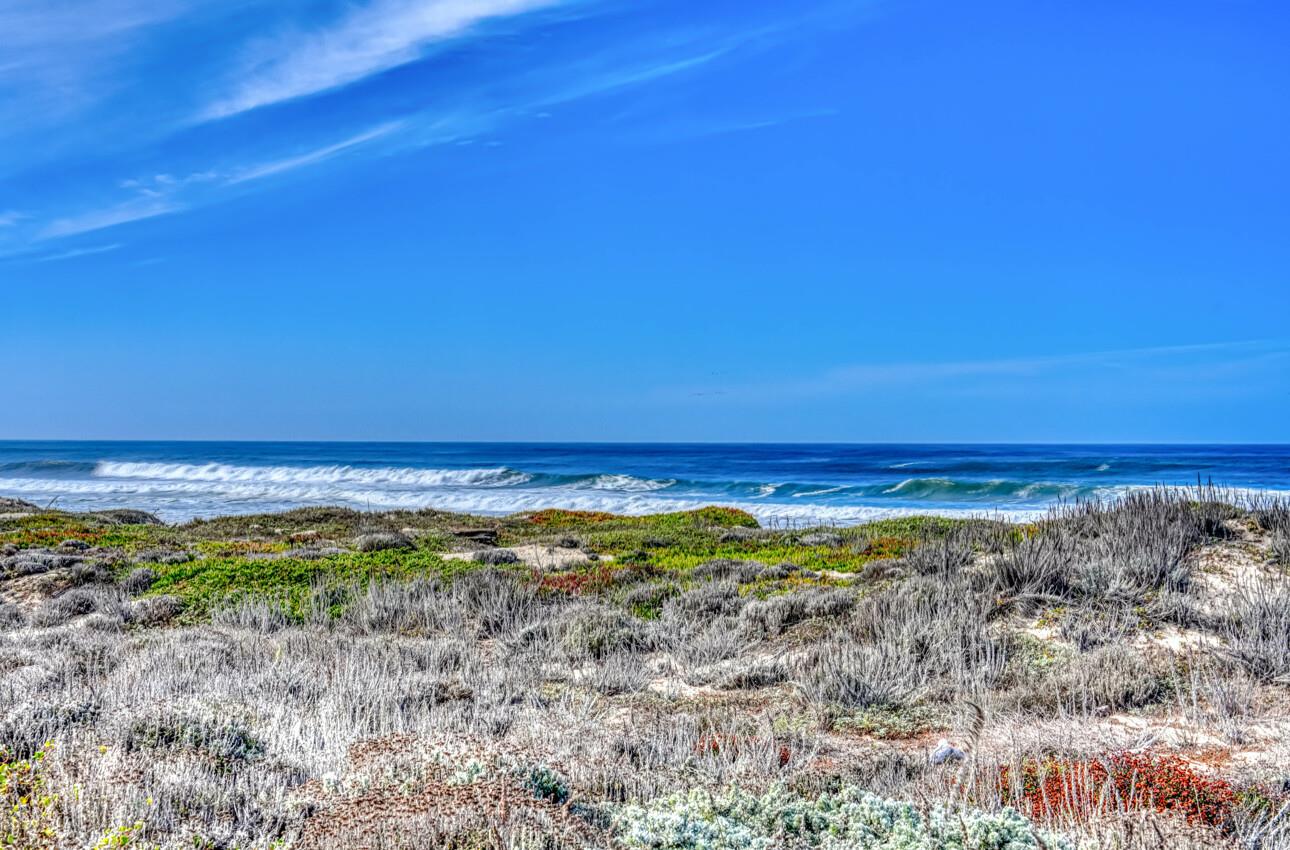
(500, 476)
(625, 483)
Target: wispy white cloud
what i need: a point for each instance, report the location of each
(1151, 364)
(61, 56)
(135, 209)
(164, 185)
(32, 26)
(370, 39)
(373, 38)
(607, 73)
(76, 252)
(694, 127)
(163, 194)
(278, 166)
(11, 217)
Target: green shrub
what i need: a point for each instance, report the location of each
(222, 741)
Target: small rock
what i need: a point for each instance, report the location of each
(487, 536)
(738, 534)
(946, 752)
(74, 546)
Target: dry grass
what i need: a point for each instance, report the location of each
(486, 709)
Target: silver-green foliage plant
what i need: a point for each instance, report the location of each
(852, 819)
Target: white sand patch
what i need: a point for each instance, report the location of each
(538, 556)
(1175, 639)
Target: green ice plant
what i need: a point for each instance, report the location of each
(852, 819)
(26, 802)
(546, 784)
(543, 782)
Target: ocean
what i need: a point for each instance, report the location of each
(778, 483)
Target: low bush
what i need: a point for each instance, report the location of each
(646, 600)
(707, 600)
(495, 557)
(595, 631)
(154, 610)
(773, 615)
(67, 606)
(891, 723)
(844, 675)
(729, 568)
(379, 541)
(224, 741)
(1256, 628)
(1109, 678)
(11, 616)
(139, 580)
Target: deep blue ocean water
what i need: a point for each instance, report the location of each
(779, 483)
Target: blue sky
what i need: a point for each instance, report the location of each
(654, 220)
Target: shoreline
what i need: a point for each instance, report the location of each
(769, 514)
(591, 671)
(793, 485)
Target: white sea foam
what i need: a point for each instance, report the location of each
(909, 483)
(402, 476)
(826, 491)
(179, 491)
(178, 500)
(625, 483)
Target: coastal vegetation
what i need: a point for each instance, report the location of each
(1116, 675)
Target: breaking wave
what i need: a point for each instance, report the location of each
(401, 476)
(832, 484)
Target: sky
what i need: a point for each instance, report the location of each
(917, 221)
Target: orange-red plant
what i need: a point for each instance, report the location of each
(1063, 788)
(576, 583)
(558, 517)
